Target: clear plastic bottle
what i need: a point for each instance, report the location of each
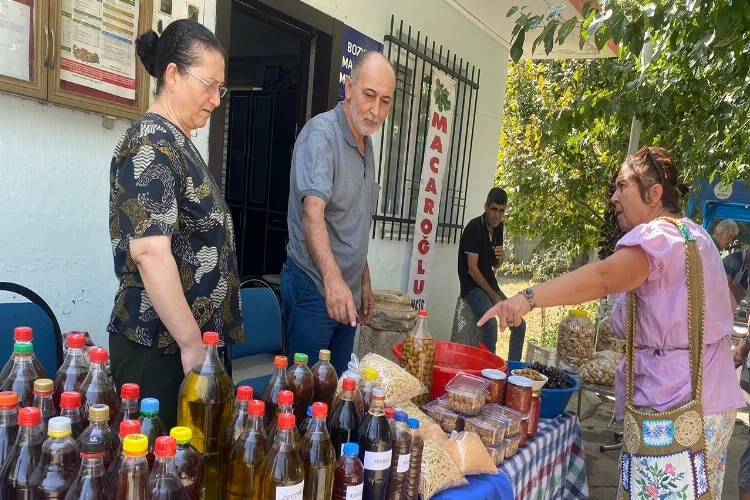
(128, 405)
(43, 389)
(318, 458)
(359, 400)
(23, 457)
(306, 423)
(371, 377)
(8, 423)
(286, 405)
(97, 387)
(98, 427)
(90, 483)
(344, 420)
(237, 422)
(281, 474)
(400, 457)
(205, 407)
(325, 378)
(59, 464)
(70, 406)
(188, 461)
(247, 454)
(419, 346)
(301, 383)
(133, 479)
(23, 334)
(164, 483)
(112, 475)
(22, 374)
(276, 384)
(349, 475)
(411, 484)
(151, 425)
(375, 447)
(74, 369)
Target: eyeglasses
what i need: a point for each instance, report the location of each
(212, 87)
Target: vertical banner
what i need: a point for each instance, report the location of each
(434, 166)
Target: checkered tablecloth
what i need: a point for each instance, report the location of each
(552, 465)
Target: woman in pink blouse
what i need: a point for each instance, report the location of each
(650, 260)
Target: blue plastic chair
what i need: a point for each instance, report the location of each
(264, 326)
(37, 315)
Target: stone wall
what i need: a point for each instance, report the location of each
(392, 319)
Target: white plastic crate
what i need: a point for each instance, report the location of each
(544, 355)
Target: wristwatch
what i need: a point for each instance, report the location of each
(529, 295)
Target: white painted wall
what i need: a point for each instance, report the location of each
(389, 260)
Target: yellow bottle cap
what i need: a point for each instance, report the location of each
(98, 413)
(371, 374)
(43, 385)
(135, 444)
(182, 435)
(324, 355)
(577, 313)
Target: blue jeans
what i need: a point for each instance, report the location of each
(309, 328)
(480, 303)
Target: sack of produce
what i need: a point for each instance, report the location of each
(438, 471)
(399, 385)
(469, 454)
(576, 340)
(606, 339)
(601, 367)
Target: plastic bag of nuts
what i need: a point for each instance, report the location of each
(576, 340)
(469, 454)
(606, 339)
(418, 355)
(399, 385)
(601, 367)
(466, 393)
(491, 431)
(438, 471)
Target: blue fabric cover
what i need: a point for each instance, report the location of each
(262, 322)
(480, 487)
(13, 314)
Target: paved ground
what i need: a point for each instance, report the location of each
(602, 467)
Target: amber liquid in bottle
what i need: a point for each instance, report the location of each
(301, 383)
(270, 394)
(349, 475)
(281, 474)
(246, 456)
(23, 457)
(74, 369)
(401, 455)
(22, 374)
(318, 458)
(375, 448)
(59, 464)
(134, 471)
(325, 379)
(97, 388)
(344, 420)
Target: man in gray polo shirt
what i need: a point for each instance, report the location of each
(332, 199)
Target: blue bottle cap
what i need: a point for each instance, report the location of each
(413, 423)
(401, 416)
(351, 449)
(149, 405)
(309, 411)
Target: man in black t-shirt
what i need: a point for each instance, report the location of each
(479, 254)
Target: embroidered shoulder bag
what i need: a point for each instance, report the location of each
(664, 453)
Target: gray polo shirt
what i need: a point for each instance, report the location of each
(326, 163)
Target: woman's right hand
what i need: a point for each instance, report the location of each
(509, 312)
(189, 355)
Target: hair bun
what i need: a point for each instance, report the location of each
(146, 46)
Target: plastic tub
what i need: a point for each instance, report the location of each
(554, 401)
(466, 393)
(441, 413)
(451, 358)
(513, 417)
(490, 431)
(498, 452)
(513, 442)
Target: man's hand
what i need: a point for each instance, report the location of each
(368, 304)
(189, 355)
(739, 353)
(339, 301)
(499, 253)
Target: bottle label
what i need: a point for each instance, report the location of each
(403, 462)
(290, 492)
(375, 460)
(355, 492)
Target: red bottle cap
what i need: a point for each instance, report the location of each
(99, 355)
(244, 393)
(76, 341)
(8, 400)
(286, 421)
(390, 413)
(280, 362)
(166, 446)
(320, 410)
(422, 313)
(128, 427)
(256, 408)
(211, 338)
(30, 416)
(349, 384)
(286, 398)
(70, 400)
(23, 334)
(130, 391)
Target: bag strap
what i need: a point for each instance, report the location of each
(695, 310)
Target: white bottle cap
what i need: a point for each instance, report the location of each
(58, 425)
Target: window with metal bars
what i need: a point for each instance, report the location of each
(402, 146)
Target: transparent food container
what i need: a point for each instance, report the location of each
(498, 452)
(513, 417)
(466, 393)
(513, 442)
(490, 430)
(441, 412)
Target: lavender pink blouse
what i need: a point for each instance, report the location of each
(662, 378)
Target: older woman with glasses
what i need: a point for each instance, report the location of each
(172, 234)
(665, 262)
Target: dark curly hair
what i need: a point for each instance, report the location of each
(181, 43)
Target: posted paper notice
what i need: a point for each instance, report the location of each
(15, 19)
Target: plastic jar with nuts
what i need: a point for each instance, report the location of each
(466, 393)
(576, 340)
(418, 356)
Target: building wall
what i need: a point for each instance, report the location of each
(54, 179)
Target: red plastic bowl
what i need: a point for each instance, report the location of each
(451, 358)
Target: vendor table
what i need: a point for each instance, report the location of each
(550, 466)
